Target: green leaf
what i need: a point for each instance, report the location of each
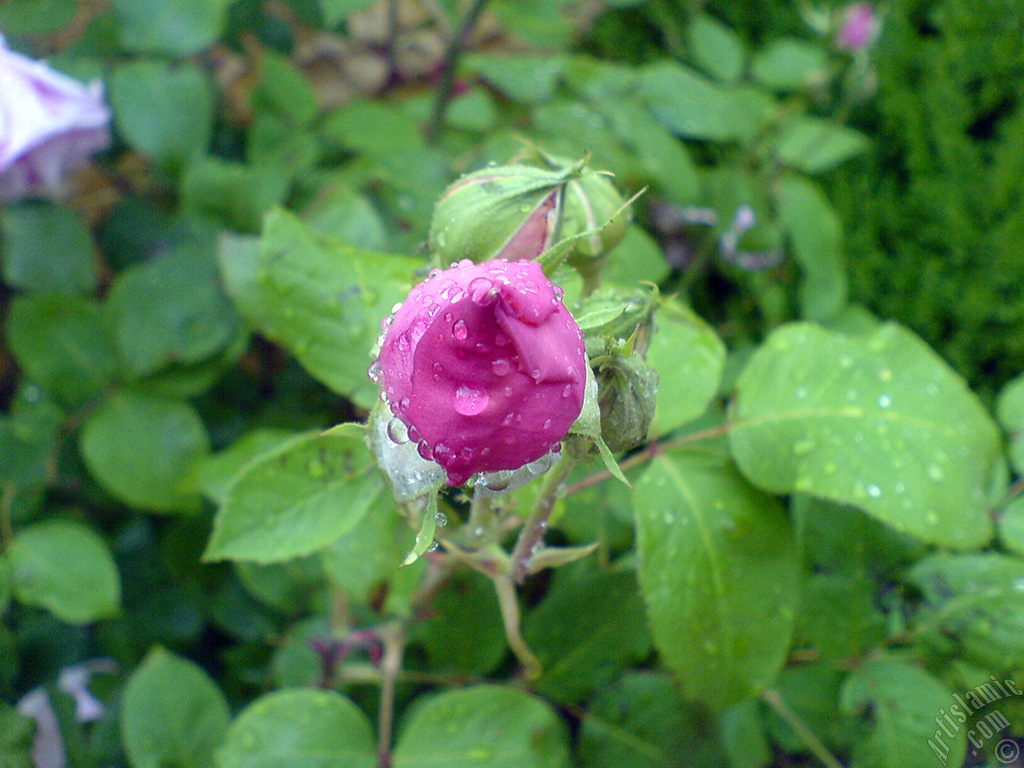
(717, 49)
(299, 728)
(662, 158)
(234, 193)
(607, 633)
(718, 571)
(296, 499)
(163, 110)
(174, 27)
(66, 568)
(813, 145)
(172, 714)
(841, 619)
(35, 18)
(15, 738)
(62, 344)
(171, 310)
(6, 583)
(283, 90)
(369, 555)
(689, 358)
(425, 535)
(339, 211)
(811, 692)
(690, 105)
(322, 299)
(974, 601)
(524, 79)
(46, 247)
(742, 736)
(1011, 526)
(786, 64)
(641, 722)
(1010, 412)
(142, 450)
(484, 726)
(817, 239)
(902, 704)
(219, 471)
(464, 634)
(877, 421)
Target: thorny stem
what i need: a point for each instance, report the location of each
(451, 63)
(819, 750)
(509, 602)
(537, 522)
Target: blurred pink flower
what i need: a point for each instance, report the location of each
(49, 125)
(858, 28)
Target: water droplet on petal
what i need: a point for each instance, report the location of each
(459, 330)
(500, 339)
(482, 291)
(469, 401)
(501, 367)
(404, 403)
(424, 451)
(397, 431)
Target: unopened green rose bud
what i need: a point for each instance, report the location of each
(627, 389)
(593, 204)
(509, 212)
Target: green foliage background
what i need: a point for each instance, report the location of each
(822, 543)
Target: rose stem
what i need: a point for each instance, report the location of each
(537, 523)
(451, 63)
(509, 602)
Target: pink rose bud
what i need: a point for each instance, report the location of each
(484, 366)
(49, 125)
(858, 27)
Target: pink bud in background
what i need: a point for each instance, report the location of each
(858, 28)
(49, 125)
(485, 367)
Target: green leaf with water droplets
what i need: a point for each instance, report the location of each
(322, 299)
(878, 421)
(973, 606)
(299, 728)
(718, 571)
(296, 499)
(485, 726)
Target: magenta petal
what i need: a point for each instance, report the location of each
(486, 367)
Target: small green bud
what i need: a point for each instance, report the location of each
(593, 204)
(509, 212)
(627, 388)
